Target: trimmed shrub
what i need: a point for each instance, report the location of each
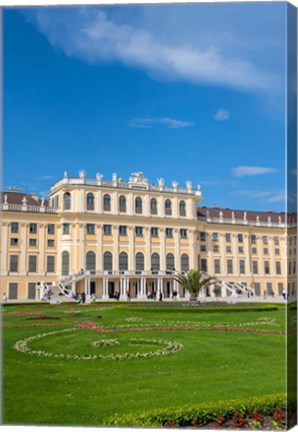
(204, 413)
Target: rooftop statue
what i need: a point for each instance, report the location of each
(138, 178)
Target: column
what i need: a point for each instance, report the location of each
(177, 249)
(235, 255)
(4, 248)
(247, 251)
(99, 253)
(143, 288)
(131, 254)
(147, 249)
(24, 248)
(115, 203)
(209, 244)
(41, 249)
(223, 270)
(147, 205)
(193, 245)
(162, 249)
(105, 283)
(99, 202)
(82, 247)
(75, 248)
(176, 288)
(115, 248)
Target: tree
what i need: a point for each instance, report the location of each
(194, 281)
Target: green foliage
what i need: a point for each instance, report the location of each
(202, 413)
(194, 281)
(203, 309)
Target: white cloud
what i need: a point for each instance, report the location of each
(149, 122)
(242, 171)
(278, 198)
(94, 36)
(222, 115)
(46, 177)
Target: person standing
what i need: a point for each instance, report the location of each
(4, 298)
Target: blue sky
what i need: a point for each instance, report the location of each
(184, 92)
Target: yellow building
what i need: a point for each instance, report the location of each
(106, 237)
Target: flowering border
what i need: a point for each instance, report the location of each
(171, 347)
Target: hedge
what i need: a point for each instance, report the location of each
(199, 309)
(203, 413)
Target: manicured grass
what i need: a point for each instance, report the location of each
(213, 365)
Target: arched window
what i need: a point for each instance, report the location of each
(107, 202)
(66, 201)
(108, 261)
(65, 263)
(182, 208)
(168, 207)
(155, 262)
(138, 205)
(139, 261)
(184, 262)
(170, 262)
(90, 201)
(122, 204)
(123, 261)
(90, 261)
(153, 206)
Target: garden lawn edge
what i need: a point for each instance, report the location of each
(204, 413)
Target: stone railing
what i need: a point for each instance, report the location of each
(231, 221)
(27, 208)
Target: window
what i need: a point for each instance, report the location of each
(90, 228)
(139, 231)
(65, 228)
(215, 248)
(13, 291)
(257, 287)
(153, 206)
(290, 268)
(269, 288)
(90, 261)
(106, 202)
(253, 239)
(108, 261)
(168, 207)
(266, 267)
(203, 248)
(182, 208)
(228, 237)
(294, 267)
(184, 262)
(107, 230)
(154, 232)
(276, 251)
(265, 251)
(90, 201)
(278, 267)
(216, 266)
(254, 250)
(240, 249)
(33, 228)
(13, 263)
(139, 262)
(51, 243)
(122, 204)
(170, 265)
(66, 201)
(202, 236)
(14, 227)
(31, 291)
(65, 263)
(32, 263)
(183, 233)
(123, 230)
(255, 268)
(32, 242)
(280, 286)
(215, 237)
(242, 266)
(240, 238)
(169, 232)
(138, 205)
(204, 265)
(229, 249)
(50, 263)
(265, 239)
(155, 262)
(14, 241)
(51, 229)
(230, 266)
(123, 261)
(276, 241)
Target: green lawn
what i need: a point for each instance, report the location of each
(213, 364)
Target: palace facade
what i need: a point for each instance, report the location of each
(107, 237)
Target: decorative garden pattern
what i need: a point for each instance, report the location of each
(170, 347)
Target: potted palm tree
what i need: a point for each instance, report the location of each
(194, 281)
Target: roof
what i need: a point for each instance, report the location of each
(251, 216)
(16, 197)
